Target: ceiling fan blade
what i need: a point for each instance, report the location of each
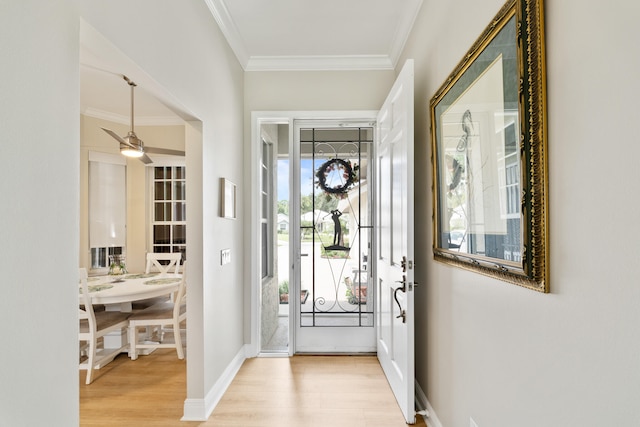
(145, 159)
(155, 150)
(117, 137)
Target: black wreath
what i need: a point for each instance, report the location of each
(325, 170)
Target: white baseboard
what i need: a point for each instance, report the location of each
(423, 404)
(201, 409)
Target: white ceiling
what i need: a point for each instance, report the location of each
(312, 34)
(270, 35)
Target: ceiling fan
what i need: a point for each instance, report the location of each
(131, 145)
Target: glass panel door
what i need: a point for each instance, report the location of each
(336, 307)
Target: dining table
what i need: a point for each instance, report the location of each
(118, 292)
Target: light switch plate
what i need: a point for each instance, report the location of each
(225, 256)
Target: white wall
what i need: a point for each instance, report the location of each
(508, 356)
(173, 45)
(316, 90)
(39, 176)
(179, 46)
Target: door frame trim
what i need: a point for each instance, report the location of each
(253, 289)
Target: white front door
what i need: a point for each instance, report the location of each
(395, 273)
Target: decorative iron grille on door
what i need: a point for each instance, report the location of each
(335, 227)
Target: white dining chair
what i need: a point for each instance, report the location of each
(93, 325)
(164, 262)
(157, 260)
(160, 315)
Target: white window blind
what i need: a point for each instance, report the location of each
(107, 200)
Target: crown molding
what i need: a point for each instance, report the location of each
(404, 29)
(319, 63)
(140, 120)
(229, 29)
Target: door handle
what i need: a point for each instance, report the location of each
(403, 288)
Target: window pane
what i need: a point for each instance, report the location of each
(265, 179)
(180, 172)
(265, 206)
(179, 234)
(163, 190)
(265, 152)
(179, 192)
(182, 249)
(265, 251)
(162, 172)
(158, 173)
(162, 212)
(161, 234)
(164, 249)
(179, 211)
(117, 250)
(98, 257)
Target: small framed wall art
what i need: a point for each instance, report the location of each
(228, 198)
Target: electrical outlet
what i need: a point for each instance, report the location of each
(225, 256)
(472, 423)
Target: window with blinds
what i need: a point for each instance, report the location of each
(107, 207)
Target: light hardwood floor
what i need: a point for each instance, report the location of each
(309, 391)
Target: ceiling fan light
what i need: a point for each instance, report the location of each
(130, 151)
